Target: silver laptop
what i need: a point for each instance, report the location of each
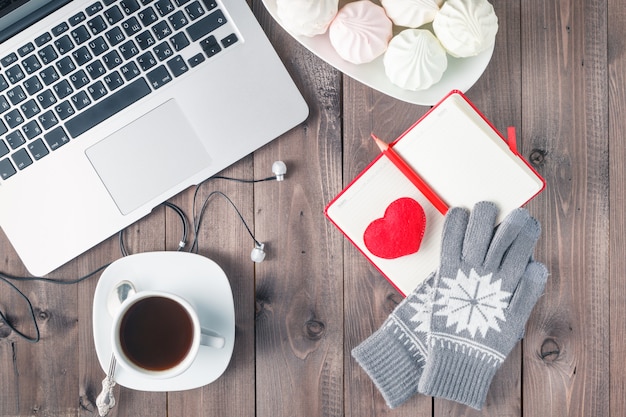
(110, 107)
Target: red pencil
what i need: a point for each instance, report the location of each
(411, 175)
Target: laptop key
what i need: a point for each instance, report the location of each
(159, 76)
(206, 25)
(194, 10)
(9, 59)
(6, 169)
(107, 107)
(80, 34)
(129, 6)
(64, 109)
(31, 129)
(4, 149)
(3, 83)
(164, 7)
(32, 85)
(56, 138)
(229, 40)
(43, 39)
(16, 95)
(46, 98)
(178, 20)
(49, 75)
(30, 108)
(4, 106)
(97, 90)
(14, 74)
(196, 60)
(130, 71)
(14, 118)
(37, 149)
(80, 100)
(21, 158)
(77, 18)
(179, 41)
(59, 29)
(178, 66)
(26, 49)
(64, 44)
(48, 119)
(15, 139)
(93, 8)
(97, 25)
(47, 54)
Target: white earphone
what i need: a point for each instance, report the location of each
(279, 169)
(258, 254)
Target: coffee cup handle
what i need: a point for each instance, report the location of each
(211, 338)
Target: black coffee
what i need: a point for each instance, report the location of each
(156, 333)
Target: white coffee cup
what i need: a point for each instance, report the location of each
(158, 334)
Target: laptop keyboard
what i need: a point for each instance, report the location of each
(102, 60)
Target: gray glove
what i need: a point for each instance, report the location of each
(450, 335)
(395, 354)
(486, 287)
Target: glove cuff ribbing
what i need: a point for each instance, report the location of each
(459, 372)
(393, 361)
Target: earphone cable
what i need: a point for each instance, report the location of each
(7, 278)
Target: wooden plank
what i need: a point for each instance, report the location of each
(497, 94)
(224, 239)
(369, 298)
(564, 103)
(146, 235)
(617, 219)
(56, 314)
(299, 288)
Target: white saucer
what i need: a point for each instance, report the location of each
(197, 279)
(461, 74)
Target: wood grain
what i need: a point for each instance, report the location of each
(564, 111)
(616, 23)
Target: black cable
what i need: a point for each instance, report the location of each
(183, 219)
(7, 278)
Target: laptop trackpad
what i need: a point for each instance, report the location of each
(148, 157)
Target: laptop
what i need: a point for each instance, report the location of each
(110, 107)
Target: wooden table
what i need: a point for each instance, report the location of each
(558, 73)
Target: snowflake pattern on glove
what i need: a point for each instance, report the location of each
(422, 303)
(473, 302)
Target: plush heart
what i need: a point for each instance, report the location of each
(399, 232)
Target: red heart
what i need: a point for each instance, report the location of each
(399, 232)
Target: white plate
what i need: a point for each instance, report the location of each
(461, 73)
(197, 279)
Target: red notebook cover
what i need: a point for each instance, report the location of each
(461, 158)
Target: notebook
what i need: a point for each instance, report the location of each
(461, 158)
(110, 107)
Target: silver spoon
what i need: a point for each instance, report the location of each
(106, 400)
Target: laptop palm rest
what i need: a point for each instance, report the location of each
(142, 160)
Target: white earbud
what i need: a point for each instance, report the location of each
(258, 254)
(279, 169)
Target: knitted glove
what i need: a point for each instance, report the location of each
(394, 355)
(485, 289)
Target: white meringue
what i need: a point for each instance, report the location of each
(466, 27)
(411, 13)
(415, 60)
(306, 17)
(360, 32)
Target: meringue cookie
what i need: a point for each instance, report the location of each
(411, 13)
(415, 59)
(466, 27)
(360, 32)
(306, 17)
